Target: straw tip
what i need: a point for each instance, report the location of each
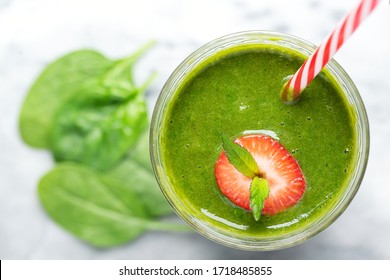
(288, 95)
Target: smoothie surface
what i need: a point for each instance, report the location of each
(237, 91)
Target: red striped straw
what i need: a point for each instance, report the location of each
(313, 65)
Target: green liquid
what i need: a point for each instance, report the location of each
(238, 90)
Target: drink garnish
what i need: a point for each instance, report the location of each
(277, 169)
(242, 160)
(259, 191)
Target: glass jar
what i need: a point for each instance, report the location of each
(186, 211)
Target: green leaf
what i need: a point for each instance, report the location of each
(135, 172)
(94, 207)
(141, 152)
(98, 128)
(103, 120)
(121, 74)
(66, 77)
(59, 81)
(87, 109)
(240, 158)
(259, 191)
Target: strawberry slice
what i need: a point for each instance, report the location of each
(286, 181)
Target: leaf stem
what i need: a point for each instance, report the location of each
(123, 67)
(147, 83)
(138, 53)
(166, 226)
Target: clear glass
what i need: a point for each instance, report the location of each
(185, 212)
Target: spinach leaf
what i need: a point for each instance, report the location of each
(141, 152)
(55, 85)
(94, 207)
(89, 112)
(64, 78)
(98, 129)
(102, 121)
(135, 172)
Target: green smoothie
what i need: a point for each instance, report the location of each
(237, 91)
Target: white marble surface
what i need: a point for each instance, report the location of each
(34, 32)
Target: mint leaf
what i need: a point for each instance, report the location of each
(240, 158)
(259, 191)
